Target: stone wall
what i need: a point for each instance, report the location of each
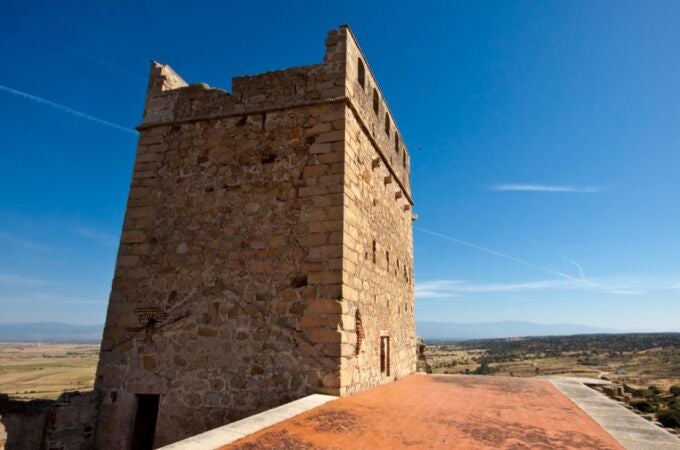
(376, 119)
(72, 421)
(378, 242)
(22, 424)
(67, 423)
(227, 245)
(242, 262)
(378, 265)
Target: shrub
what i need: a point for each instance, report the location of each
(483, 368)
(642, 406)
(675, 390)
(632, 390)
(669, 418)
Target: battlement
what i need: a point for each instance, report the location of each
(343, 76)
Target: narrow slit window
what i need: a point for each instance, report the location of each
(376, 101)
(360, 331)
(387, 123)
(385, 355)
(396, 143)
(361, 73)
(374, 251)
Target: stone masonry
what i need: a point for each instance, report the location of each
(67, 423)
(266, 252)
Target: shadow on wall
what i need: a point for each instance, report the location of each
(62, 424)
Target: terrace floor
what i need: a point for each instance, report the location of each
(447, 412)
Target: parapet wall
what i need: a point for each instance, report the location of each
(374, 115)
(336, 79)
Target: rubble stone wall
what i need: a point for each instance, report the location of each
(227, 244)
(67, 423)
(22, 424)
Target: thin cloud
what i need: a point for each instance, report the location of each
(7, 237)
(449, 289)
(99, 237)
(527, 187)
(47, 298)
(626, 285)
(455, 288)
(66, 109)
(65, 299)
(17, 279)
(611, 285)
(443, 289)
(101, 61)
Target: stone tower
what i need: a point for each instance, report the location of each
(266, 253)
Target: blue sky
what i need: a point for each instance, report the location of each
(544, 138)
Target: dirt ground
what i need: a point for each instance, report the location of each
(32, 370)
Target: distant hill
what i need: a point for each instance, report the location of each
(49, 332)
(64, 332)
(468, 331)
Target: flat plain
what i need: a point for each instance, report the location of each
(638, 360)
(33, 370)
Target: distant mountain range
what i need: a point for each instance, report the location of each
(49, 332)
(491, 330)
(64, 332)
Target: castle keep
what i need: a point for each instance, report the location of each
(266, 253)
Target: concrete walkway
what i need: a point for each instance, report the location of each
(631, 430)
(227, 434)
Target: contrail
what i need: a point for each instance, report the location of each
(503, 255)
(101, 61)
(27, 244)
(581, 273)
(527, 187)
(65, 109)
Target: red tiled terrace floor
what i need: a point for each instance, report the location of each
(441, 412)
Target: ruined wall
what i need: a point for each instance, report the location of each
(72, 421)
(242, 258)
(67, 423)
(22, 424)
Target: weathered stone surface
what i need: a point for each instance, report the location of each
(248, 249)
(67, 423)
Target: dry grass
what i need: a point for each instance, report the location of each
(29, 370)
(639, 369)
